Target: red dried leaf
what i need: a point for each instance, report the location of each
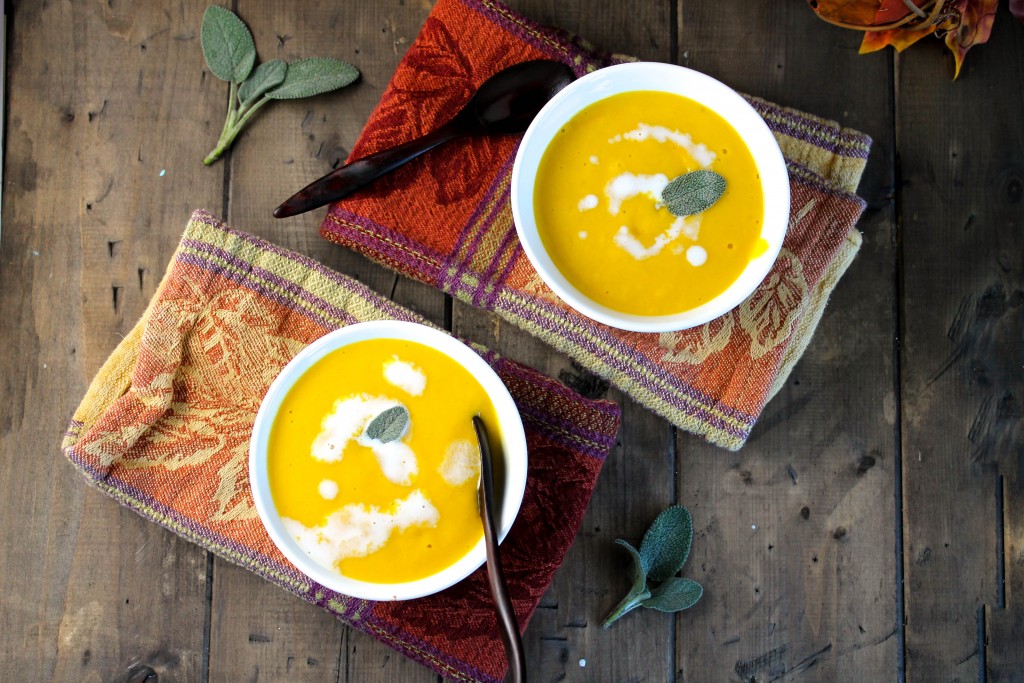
(976, 17)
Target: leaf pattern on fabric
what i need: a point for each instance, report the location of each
(438, 81)
(202, 373)
(697, 344)
(435, 87)
(233, 499)
(180, 438)
(242, 344)
(769, 313)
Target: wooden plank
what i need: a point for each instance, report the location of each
(261, 632)
(961, 147)
(1006, 618)
(795, 540)
(564, 641)
(642, 29)
(258, 628)
(97, 191)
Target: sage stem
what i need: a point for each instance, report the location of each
(628, 604)
(231, 131)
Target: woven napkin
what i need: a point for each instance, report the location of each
(446, 220)
(165, 426)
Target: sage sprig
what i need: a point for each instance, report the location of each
(662, 553)
(230, 54)
(692, 192)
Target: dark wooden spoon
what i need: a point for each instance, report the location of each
(504, 104)
(499, 589)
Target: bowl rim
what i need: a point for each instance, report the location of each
(680, 80)
(513, 443)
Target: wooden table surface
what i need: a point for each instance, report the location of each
(873, 527)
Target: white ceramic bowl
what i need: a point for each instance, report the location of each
(513, 447)
(678, 80)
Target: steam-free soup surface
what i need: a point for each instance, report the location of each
(380, 512)
(599, 214)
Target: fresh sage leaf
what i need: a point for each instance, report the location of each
(692, 192)
(639, 571)
(666, 544)
(674, 594)
(314, 76)
(227, 44)
(266, 76)
(389, 425)
(637, 593)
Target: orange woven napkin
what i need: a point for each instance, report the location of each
(445, 219)
(165, 428)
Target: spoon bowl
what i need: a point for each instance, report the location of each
(508, 101)
(504, 104)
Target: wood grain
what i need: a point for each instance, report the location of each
(1005, 619)
(962, 356)
(796, 545)
(100, 99)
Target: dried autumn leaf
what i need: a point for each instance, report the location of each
(899, 38)
(858, 12)
(894, 10)
(868, 13)
(976, 18)
(891, 11)
(962, 23)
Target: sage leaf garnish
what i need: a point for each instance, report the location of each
(692, 192)
(662, 553)
(230, 54)
(267, 76)
(313, 76)
(389, 425)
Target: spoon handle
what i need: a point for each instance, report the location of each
(499, 589)
(346, 179)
